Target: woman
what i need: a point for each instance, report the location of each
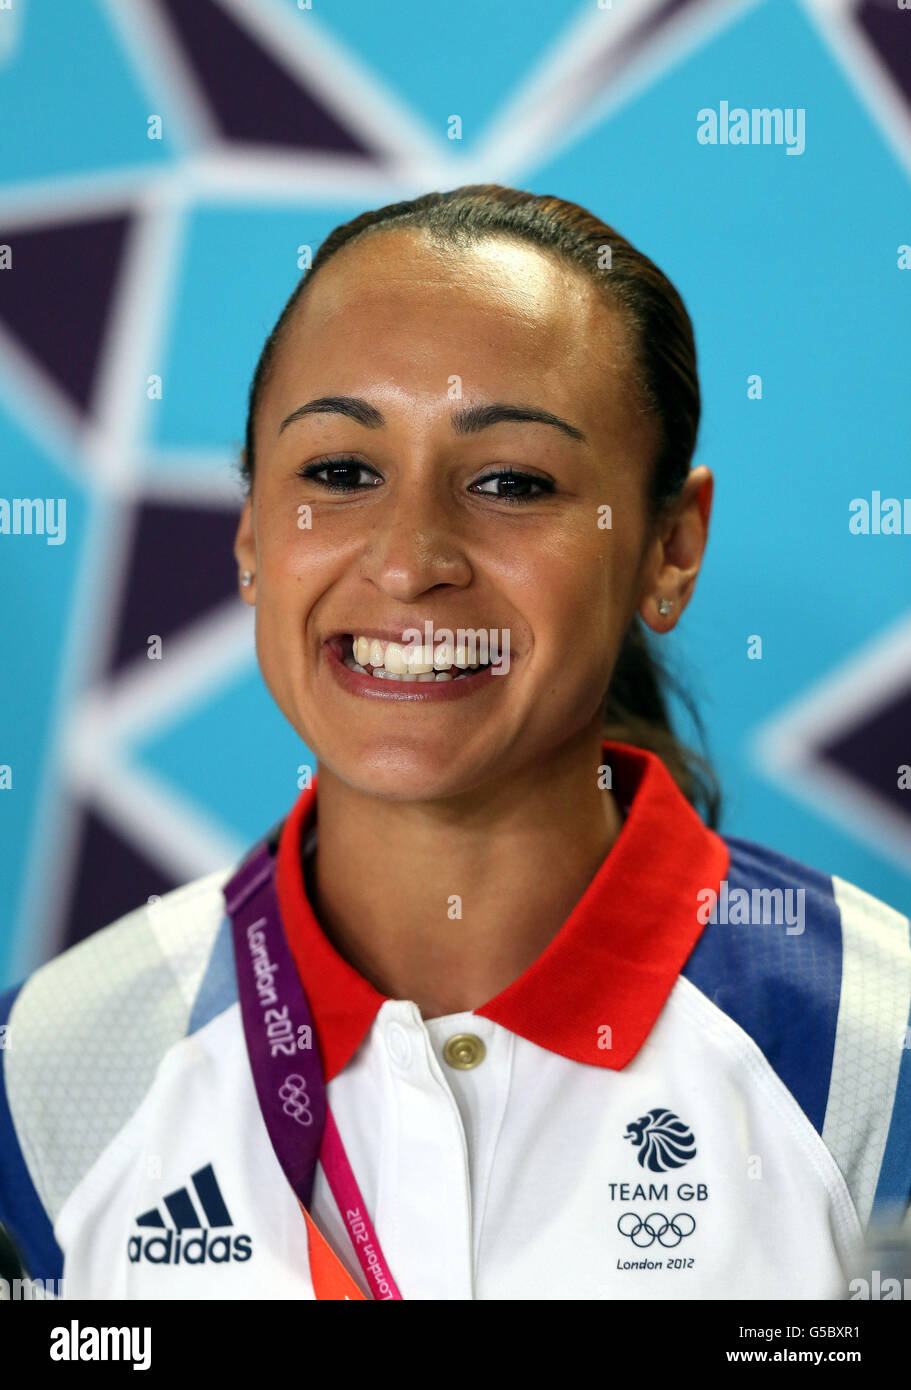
(549, 1034)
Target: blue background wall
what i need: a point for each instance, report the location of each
(134, 256)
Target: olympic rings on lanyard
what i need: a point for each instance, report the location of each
(296, 1101)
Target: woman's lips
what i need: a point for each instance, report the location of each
(412, 690)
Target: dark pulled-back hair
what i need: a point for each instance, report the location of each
(635, 707)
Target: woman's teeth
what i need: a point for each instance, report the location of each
(395, 662)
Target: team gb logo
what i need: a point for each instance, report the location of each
(663, 1140)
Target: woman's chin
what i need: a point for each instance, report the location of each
(403, 774)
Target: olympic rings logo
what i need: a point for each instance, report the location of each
(293, 1091)
(643, 1232)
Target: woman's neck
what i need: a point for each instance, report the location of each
(448, 910)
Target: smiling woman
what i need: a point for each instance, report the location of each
(479, 972)
(496, 306)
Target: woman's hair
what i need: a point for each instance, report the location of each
(635, 708)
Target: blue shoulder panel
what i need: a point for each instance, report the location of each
(893, 1189)
(780, 980)
(218, 989)
(21, 1211)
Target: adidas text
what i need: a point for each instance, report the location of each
(172, 1249)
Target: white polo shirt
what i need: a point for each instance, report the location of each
(660, 1107)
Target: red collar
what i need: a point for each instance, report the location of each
(611, 965)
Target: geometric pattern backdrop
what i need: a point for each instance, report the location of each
(134, 257)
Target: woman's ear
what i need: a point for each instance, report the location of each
(245, 553)
(679, 551)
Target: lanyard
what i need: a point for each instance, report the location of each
(288, 1076)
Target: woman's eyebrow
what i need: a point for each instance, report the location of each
(469, 420)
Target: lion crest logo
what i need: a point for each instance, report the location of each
(663, 1140)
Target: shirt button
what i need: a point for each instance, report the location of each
(464, 1051)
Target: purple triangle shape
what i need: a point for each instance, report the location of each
(57, 297)
(112, 877)
(181, 565)
(889, 31)
(874, 748)
(253, 98)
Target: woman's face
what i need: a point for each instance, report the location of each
(422, 532)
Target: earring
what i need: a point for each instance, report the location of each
(664, 606)
(246, 577)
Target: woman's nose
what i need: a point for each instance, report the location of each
(415, 546)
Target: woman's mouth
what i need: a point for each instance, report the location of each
(394, 661)
(367, 665)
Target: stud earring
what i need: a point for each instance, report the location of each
(246, 578)
(664, 606)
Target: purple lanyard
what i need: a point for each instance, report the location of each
(284, 1058)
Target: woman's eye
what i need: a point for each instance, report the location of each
(350, 475)
(341, 475)
(513, 487)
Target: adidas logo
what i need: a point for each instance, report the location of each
(172, 1246)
